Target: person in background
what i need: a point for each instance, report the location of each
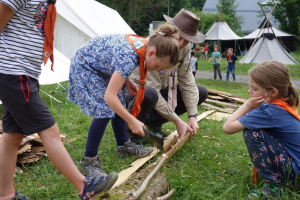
(271, 128)
(206, 50)
(194, 64)
(231, 58)
(216, 57)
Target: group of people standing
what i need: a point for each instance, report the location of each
(126, 79)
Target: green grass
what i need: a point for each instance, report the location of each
(210, 166)
(243, 69)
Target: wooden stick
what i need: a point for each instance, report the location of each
(166, 196)
(259, 32)
(225, 110)
(126, 173)
(228, 105)
(145, 183)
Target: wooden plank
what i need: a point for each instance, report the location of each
(36, 149)
(218, 116)
(225, 110)
(228, 105)
(215, 97)
(231, 97)
(126, 173)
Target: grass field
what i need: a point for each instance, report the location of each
(210, 166)
(244, 68)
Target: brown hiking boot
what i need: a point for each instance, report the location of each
(91, 167)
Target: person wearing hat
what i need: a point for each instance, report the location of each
(164, 99)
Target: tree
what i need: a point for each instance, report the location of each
(228, 8)
(197, 4)
(287, 13)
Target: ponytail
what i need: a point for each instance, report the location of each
(165, 42)
(293, 97)
(273, 74)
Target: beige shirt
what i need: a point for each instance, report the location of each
(188, 88)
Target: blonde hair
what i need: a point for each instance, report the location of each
(230, 49)
(164, 39)
(216, 46)
(273, 74)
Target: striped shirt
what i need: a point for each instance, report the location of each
(22, 39)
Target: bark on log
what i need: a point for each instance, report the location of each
(157, 187)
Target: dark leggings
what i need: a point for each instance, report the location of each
(96, 132)
(269, 157)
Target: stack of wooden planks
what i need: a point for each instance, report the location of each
(31, 148)
(225, 103)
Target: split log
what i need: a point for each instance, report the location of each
(158, 185)
(225, 110)
(230, 97)
(227, 105)
(215, 97)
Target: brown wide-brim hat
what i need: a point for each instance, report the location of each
(187, 24)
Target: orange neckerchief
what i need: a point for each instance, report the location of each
(284, 105)
(139, 44)
(49, 32)
(292, 110)
(229, 56)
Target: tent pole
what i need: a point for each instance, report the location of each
(235, 47)
(59, 107)
(259, 32)
(245, 44)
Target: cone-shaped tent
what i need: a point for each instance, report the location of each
(268, 48)
(221, 31)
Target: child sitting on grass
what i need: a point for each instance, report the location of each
(216, 56)
(231, 58)
(271, 127)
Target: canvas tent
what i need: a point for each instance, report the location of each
(287, 40)
(78, 21)
(268, 48)
(221, 31)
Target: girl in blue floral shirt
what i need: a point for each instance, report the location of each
(98, 72)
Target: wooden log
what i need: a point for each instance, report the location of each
(24, 148)
(215, 97)
(225, 110)
(227, 105)
(167, 196)
(231, 97)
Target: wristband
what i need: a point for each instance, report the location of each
(193, 116)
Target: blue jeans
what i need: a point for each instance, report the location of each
(230, 68)
(269, 157)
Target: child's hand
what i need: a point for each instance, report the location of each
(131, 87)
(137, 127)
(255, 102)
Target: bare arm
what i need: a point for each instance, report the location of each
(6, 14)
(232, 125)
(111, 98)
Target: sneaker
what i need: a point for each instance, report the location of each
(91, 167)
(96, 185)
(19, 197)
(132, 149)
(267, 191)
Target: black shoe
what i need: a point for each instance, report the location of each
(155, 127)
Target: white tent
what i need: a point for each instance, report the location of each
(221, 31)
(268, 48)
(80, 20)
(277, 32)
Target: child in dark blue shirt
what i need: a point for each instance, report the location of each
(271, 127)
(231, 58)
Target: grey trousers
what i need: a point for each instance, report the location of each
(217, 68)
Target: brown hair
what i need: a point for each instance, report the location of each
(164, 39)
(273, 74)
(216, 46)
(230, 49)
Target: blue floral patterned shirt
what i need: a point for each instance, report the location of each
(91, 70)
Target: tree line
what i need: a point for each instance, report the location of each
(140, 13)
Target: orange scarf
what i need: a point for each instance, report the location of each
(139, 44)
(284, 105)
(292, 110)
(49, 32)
(229, 56)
